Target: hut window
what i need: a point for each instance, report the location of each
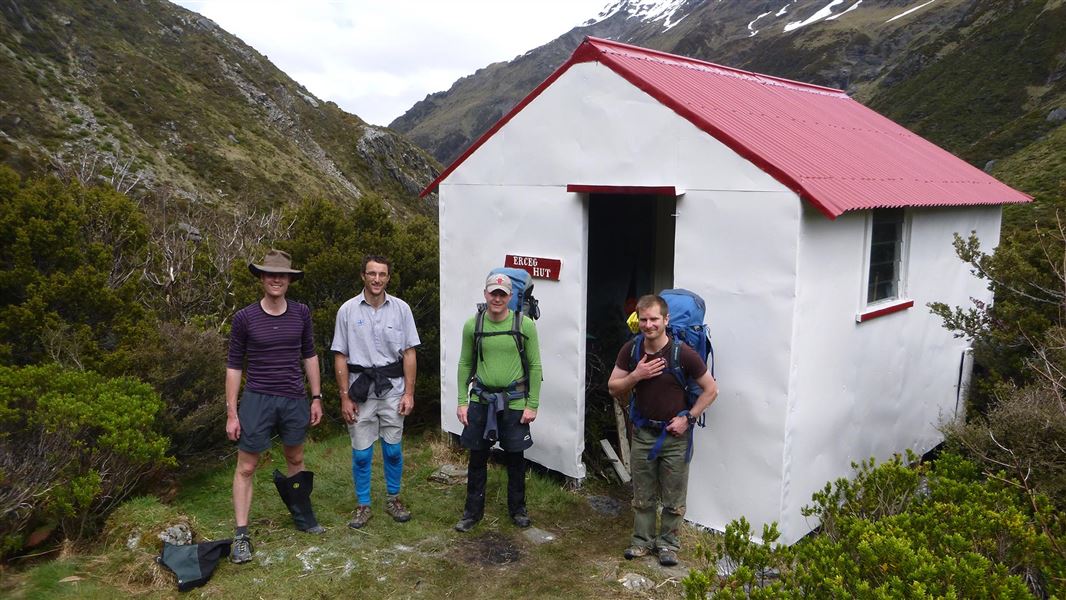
(887, 235)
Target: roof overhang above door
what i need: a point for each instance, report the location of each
(635, 190)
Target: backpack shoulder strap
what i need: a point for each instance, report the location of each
(675, 361)
(636, 351)
(479, 334)
(520, 341)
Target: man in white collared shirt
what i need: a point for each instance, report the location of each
(374, 344)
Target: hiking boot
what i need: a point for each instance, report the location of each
(315, 530)
(362, 515)
(397, 510)
(667, 557)
(521, 519)
(241, 551)
(636, 552)
(466, 524)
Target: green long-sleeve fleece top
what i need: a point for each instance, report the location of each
(502, 365)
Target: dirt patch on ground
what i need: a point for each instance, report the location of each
(489, 550)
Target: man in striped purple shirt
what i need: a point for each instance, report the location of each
(269, 341)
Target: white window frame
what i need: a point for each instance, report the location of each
(874, 308)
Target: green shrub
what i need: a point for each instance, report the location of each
(69, 263)
(185, 365)
(1025, 434)
(73, 445)
(937, 530)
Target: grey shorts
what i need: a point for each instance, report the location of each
(514, 435)
(260, 414)
(376, 418)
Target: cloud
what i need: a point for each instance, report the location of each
(377, 58)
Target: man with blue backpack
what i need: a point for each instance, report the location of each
(662, 374)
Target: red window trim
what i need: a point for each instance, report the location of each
(887, 310)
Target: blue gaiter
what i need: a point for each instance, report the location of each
(361, 460)
(393, 466)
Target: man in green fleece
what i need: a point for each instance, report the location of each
(499, 392)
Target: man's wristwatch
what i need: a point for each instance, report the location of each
(691, 419)
(316, 396)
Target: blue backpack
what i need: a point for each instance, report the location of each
(687, 313)
(522, 299)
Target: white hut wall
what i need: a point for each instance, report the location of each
(737, 249)
(878, 387)
(479, 226)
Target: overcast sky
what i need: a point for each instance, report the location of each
(376, 58)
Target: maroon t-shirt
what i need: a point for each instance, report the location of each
(661, 398)
(275, 346)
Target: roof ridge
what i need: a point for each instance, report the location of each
(605, 45)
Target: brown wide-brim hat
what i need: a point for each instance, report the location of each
(275, 261)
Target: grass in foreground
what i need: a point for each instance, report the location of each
(421, 558)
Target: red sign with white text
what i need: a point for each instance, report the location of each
(540, 268)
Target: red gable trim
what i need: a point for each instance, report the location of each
(665, 190)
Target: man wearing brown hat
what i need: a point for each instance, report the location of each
(274, 337)
(499, 393)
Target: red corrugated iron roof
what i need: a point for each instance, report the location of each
(829, 149)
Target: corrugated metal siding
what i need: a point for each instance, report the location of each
(827, 147)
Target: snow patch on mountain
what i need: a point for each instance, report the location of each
(846, 11)
(648, 11)
(826, 11)
(909, 11)
(751, 26)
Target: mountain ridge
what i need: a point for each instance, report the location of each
(165, 100)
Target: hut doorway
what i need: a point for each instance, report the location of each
(630, 253)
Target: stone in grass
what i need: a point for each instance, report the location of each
(178, 535)
(538, 536)
(449, 474)
(635, 582)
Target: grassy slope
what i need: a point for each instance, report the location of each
(421, 558)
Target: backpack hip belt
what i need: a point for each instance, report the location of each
(517, 390)
(644, 423)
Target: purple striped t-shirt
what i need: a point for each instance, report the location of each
(275, 347)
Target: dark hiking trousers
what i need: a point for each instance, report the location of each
(477, 476)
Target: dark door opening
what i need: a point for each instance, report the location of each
(631, 253)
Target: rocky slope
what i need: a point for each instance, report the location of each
(156, 99)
